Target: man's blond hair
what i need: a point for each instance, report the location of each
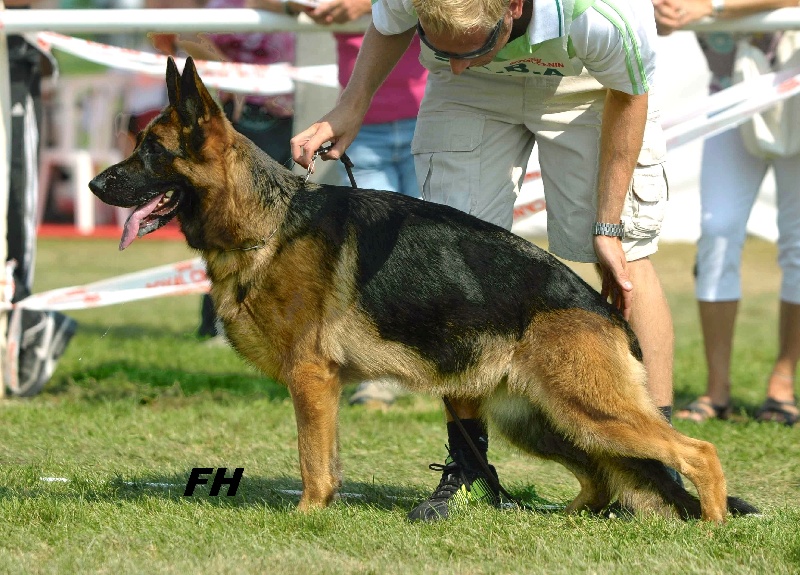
(455, 17)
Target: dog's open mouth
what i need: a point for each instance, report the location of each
(149, 217)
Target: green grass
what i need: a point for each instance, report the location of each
(137, 401)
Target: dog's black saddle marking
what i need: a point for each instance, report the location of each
(434, 278)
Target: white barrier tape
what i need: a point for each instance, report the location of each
(182, 278)
(260, 79)
(715, 103)
(529, 209)
(753, 97)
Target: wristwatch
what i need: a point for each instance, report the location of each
(613, 230)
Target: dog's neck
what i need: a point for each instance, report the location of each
(248, 206)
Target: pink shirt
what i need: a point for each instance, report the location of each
(400, 95)
(257, 48)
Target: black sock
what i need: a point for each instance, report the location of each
(460, 449)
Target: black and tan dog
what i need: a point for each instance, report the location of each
(317, 285)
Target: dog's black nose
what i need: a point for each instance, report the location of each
(98, 184)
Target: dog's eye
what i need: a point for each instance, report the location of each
(153, 147)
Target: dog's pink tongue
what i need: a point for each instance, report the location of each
(134, 221)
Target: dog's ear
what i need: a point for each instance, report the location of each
(195, 103)
(173, 78)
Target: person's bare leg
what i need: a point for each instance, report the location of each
(651, 321)
(464, 409)
(781, 381)
(717, 320)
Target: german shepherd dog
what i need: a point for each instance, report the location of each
(319, 285)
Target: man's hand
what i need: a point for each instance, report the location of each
(616, 287)
(378, 55)
(674, 14)
(339, 127)
(339, 11)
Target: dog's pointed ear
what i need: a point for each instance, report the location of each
(195, 103)
(173, 79)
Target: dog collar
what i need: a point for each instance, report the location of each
(256, 246)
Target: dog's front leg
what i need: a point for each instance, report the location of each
(315, 389)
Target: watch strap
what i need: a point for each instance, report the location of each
(606, 229)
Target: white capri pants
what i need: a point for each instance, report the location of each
(729, 183)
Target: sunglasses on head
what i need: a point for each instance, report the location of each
(482, 51)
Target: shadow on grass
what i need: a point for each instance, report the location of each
(282, 493)
(279, 494)
(129, 379)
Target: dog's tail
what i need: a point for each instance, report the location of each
(648, 485)
(737, 506)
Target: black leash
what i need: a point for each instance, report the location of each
(345, 159)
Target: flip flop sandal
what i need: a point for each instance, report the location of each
(701, 410)
(777, 412)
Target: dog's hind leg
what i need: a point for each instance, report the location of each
(646, 485)
(636, 429)
(656, 481)
(582, 374)
(315, 390)
(641, 433)
(527, 428)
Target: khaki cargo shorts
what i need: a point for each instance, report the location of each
(474, 136)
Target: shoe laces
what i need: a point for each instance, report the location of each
(453, 477)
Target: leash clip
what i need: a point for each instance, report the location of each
(348, 164)
(321, 150)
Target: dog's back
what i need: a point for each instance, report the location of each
(437, 280)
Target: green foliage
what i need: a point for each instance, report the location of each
(69, 65)
(137, 401)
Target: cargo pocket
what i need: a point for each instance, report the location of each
(646, 203)
(447, 158)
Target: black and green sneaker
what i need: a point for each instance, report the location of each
(459, 487)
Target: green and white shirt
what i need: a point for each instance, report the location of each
(612, 39)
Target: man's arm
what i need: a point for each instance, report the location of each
(622, 132)
(377, 58)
